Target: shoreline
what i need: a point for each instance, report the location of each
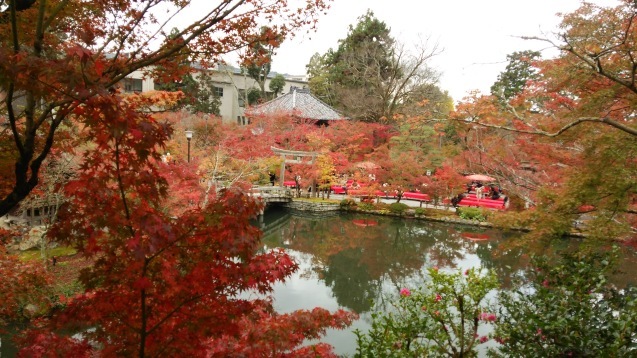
(318, 206)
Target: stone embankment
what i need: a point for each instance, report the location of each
(319, 207)
(313, 206)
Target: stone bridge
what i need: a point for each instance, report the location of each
(272, 194)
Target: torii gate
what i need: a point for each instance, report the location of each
(296, 158)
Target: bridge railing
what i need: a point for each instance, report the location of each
(271, 192)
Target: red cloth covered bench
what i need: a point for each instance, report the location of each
(416, 196)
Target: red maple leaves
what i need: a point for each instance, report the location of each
(166, 280)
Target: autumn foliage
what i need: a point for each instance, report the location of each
(26, 290)
(177, 267)
(179, 279)
(59, 57)
(564, 140)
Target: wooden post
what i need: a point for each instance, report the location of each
(282, 175)
(296, 160)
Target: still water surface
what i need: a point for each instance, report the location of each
(355, 261)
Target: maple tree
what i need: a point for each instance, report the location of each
(58, 57)
(445, 183)
(26, 290)
(167, 276)
(169, 268)
(570, 130)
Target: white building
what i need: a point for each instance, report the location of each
(230, 85)
(136, 82)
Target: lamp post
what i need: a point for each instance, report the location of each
(189, 137)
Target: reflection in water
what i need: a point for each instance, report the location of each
(361, 263)
(355, 261)
(346, 264)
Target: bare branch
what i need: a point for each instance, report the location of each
(602, 120)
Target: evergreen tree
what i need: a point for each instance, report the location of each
(258, 59)
(517, 73)
(369, 76)
(277, 84)
(361, 61)
(319, 78)
(200, 94)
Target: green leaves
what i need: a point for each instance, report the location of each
(439, 319)
(568, 309)
(565, 308)
(518, 73)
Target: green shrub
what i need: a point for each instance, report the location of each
(573, 311)
(440, 318)
(398, 207)
(419, 211)
(366, 206)
(568, 309)
(348, 204)
(472, 214)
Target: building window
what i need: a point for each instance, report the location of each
(132, 85)
(242, 98)
(217, 91)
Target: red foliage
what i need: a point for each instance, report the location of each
(278, 340)
(26, 289)
(165, 280)
(39, 343)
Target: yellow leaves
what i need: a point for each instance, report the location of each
(155, 99)
(318, 142)
(479, 108)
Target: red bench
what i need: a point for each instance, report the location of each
(416, 196)
(338, 189)
(386, 194)
(482, 203)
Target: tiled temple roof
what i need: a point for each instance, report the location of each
(302, 103)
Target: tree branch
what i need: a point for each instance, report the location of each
(601, 120)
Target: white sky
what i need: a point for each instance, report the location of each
(475, 35)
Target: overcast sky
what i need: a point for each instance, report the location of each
(475, 35)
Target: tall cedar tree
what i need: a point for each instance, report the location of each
(370, 76)
(518, 73)
(365, 50)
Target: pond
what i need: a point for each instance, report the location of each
(355, 261)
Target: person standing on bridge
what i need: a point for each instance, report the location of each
(272, 178)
